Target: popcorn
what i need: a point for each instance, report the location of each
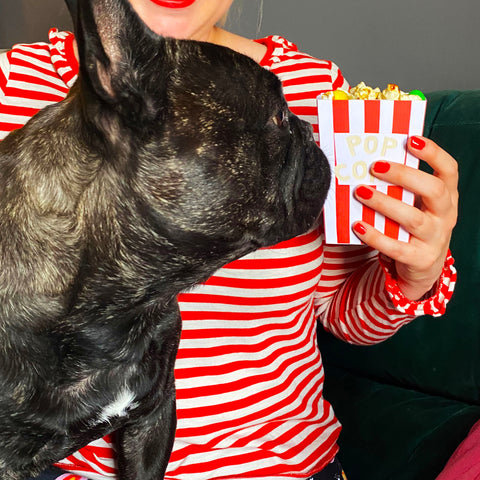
(356, 129)
(363, 92)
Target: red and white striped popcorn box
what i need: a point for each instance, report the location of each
(354, 134)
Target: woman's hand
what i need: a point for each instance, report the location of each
(418, 263)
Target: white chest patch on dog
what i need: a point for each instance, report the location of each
(120, 407)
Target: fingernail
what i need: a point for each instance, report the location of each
(364, 192)
(417, 143)
(381, 167)
(360, 229)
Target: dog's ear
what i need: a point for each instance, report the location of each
(121, 60)
(72, 8)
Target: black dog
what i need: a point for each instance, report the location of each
(167, 160)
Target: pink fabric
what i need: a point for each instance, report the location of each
(464, 464)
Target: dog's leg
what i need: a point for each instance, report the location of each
(144, 448)
(145, 444)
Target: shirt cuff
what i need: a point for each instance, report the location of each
(436, 302)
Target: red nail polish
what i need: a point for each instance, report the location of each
(364, 192)
(381, 167)
(360, 229)
(417, 143)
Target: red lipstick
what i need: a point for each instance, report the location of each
(173, 3)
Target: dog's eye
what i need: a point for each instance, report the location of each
(280, 119)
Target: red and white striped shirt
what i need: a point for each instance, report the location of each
(249, 374)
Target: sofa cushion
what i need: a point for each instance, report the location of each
(394, 433)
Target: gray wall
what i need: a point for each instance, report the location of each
(425, 44)
(30, 20)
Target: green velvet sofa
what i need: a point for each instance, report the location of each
(407, 403)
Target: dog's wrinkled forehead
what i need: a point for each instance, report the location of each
(218, 81)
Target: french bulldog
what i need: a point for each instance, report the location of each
(168, 159)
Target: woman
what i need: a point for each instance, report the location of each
(249, 374)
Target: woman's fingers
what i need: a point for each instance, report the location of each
(443, 164)
(430, 221)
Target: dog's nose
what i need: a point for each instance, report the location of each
(300, 126)
(306, 129)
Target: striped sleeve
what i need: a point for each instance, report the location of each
(33, 76)
(338, 80)
(4, 71)
(359, 299)
(303, 77)
(352, 299)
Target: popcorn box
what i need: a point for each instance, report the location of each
(354, 134)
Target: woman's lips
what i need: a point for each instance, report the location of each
(173, 3)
